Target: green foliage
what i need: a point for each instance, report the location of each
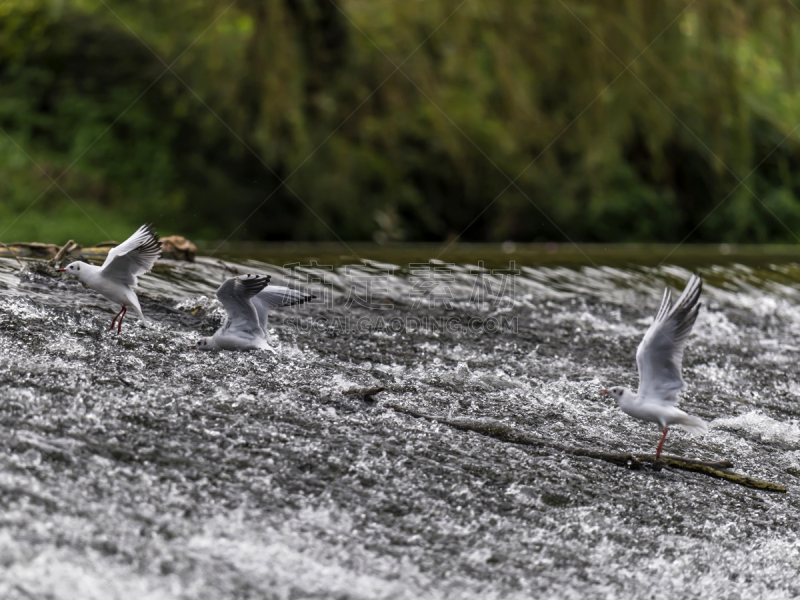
(308, 91)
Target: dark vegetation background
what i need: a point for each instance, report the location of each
(308, 91)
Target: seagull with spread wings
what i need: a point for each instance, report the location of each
(659, 359)
(117, 277)
(247, 301)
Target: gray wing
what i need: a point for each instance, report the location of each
(134, 256)
(660, 352)
(236, 295)
(276, 297)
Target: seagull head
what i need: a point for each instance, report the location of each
(618, 393)
(205, 343)
(74, 268)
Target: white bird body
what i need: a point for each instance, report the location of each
(117, 277)
(224, 340)
(92, 276)
(654, 411)
(247, 301)
(658, 359)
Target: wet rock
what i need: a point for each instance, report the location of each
(178, 247)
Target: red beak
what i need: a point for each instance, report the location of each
(604, 392)
(60, 270)
(192, 347)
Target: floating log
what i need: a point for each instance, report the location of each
(506, 433)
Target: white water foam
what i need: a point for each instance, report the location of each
(757, 423)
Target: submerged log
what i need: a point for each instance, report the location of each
(364, 393)
(711, 471)
(506, 433)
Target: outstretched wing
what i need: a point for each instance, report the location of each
(236, 295)
(276, 297)
(134, 256)
(660, 352)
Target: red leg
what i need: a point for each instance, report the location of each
(124, 311)
(661, 444)
(114, 322)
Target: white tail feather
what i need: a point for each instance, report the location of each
(692, 424)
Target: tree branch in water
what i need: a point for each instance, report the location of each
(508, 434)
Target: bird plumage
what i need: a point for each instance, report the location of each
(247, 301)
(276, 297)
(133, 257)
(117, 276)
(660, 352)
(658, 358)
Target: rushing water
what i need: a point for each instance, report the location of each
(134, 467)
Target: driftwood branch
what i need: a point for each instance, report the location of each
(65, 249)
(508, 434)
(723, 473)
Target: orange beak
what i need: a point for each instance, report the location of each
(604, 392)
(60, 270)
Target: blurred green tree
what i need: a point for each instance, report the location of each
(596, 121)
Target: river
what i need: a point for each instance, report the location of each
(134, 467)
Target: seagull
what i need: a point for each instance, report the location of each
(659, 361)
(117, 277)
(247, 300)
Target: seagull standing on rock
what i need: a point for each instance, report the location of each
(659, 359)
(247, 301)
(117, 277)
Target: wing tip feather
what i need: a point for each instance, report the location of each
(253, 284)
(151, 245)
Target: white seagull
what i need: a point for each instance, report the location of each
(117, 277)
(659, 361)
(247, 300)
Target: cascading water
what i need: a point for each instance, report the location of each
(134, 467)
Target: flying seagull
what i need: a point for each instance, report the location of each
(247, 301)
(659, 361)
(117, 277)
